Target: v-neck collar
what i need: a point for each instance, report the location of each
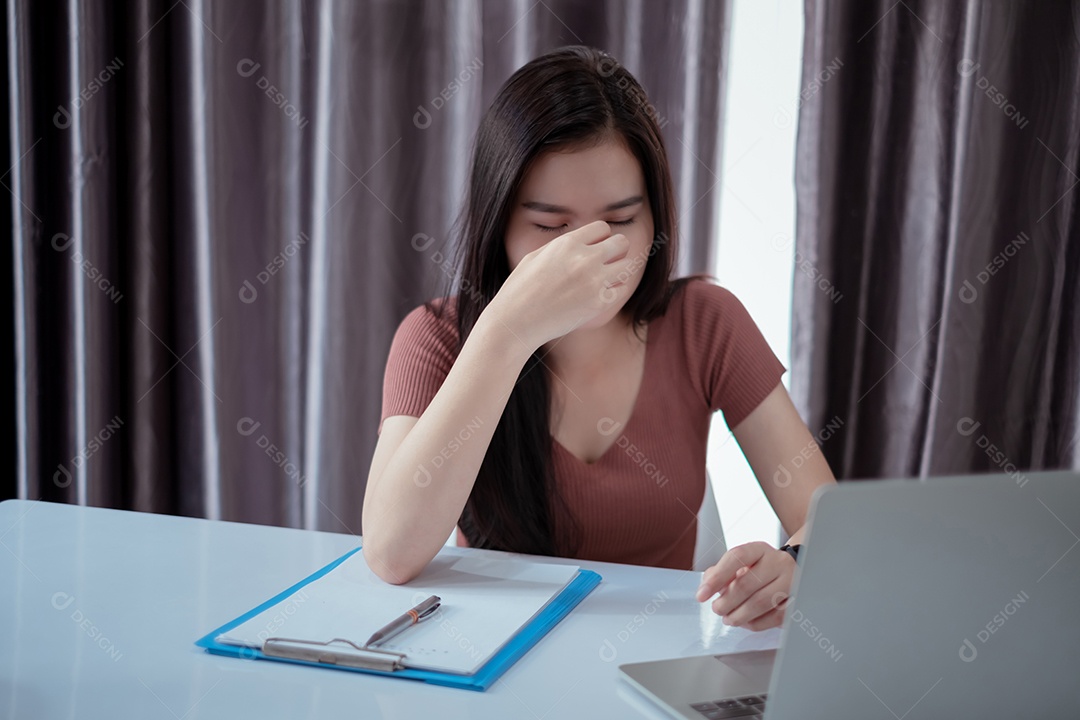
(643, 386)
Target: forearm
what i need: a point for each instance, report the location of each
(797, 536)
(785, 458)
(415, 501)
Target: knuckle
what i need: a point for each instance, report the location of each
(579, 264)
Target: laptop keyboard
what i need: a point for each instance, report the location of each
(749, 706)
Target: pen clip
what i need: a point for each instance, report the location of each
(430, 611)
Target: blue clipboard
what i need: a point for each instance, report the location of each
(560, 606)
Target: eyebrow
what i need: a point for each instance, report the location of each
(548, 208)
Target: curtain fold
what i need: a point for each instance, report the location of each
(937, 251)
(222, 210)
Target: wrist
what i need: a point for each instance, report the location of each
(498, 335)
(792, 550)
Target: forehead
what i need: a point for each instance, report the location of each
(585, 178)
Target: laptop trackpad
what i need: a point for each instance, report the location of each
(679, 683)
(754, 667)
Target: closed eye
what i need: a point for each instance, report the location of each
(548, 228)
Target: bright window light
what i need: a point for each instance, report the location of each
(755, 256)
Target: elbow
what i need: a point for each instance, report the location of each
(389, 567)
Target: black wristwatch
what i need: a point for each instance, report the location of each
(792, 550)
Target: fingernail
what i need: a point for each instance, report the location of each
(741, 571)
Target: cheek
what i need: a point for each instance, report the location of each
(641, 240)
(518, 246)
(515, 250)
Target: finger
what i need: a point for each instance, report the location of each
(723, 572)
(614, 277)
(739, 556)
(771, 619)
(743, 587)
(592, 233)
(616, 292)
(613, 249)
(761, 602)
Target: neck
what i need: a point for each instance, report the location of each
(591, 349)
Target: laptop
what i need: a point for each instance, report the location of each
(955, 597)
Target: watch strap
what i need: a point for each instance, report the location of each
(792, 550)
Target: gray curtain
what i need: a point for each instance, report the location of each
(937, 313)
(221, 211)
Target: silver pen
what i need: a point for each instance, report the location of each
(407, 620)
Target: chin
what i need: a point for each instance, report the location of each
(605, 317)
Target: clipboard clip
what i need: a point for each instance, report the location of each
(349, 654)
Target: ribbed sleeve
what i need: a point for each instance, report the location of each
(728, 359)
(421, 355)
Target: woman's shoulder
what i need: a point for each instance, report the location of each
(428, 331)
(707, 317)
(727, 358)
(699, 298)
(421, 355)
(437, 316)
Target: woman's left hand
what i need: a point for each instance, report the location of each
(754, 581)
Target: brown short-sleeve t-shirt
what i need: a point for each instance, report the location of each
(638, 502)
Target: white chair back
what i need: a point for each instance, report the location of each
(710, 545)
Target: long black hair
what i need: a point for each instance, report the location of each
(572, 96)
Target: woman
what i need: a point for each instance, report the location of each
(559, 402)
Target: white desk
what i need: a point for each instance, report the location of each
(99, 610)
